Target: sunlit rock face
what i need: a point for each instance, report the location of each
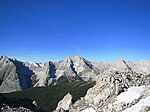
(9, 76)
(65, 103)
(117, 91)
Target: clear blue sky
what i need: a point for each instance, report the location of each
(98, 30)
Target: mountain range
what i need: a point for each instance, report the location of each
(119, 86)
(16, 75)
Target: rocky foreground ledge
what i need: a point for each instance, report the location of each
(114, 92)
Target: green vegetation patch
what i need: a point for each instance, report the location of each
(48, 97)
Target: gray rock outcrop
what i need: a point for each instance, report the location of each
(109, 85)
(64, 104)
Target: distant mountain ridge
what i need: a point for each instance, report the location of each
(16, 75)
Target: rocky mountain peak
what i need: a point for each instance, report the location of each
(48, 63)
(120, 62)
(78, 60)
(74, 57)
(121, 65)
(34, 63)
(4, 59)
